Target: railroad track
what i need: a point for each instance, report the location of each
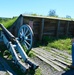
(59, 60)
(5, 68)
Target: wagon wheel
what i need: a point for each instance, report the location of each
(25, 36)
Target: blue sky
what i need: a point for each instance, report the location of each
(10, 8)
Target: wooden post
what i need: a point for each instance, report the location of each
(21, 21)
(41, 30)
(67, 28)
(58, 29)
(31, 24)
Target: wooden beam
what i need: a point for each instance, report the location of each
(31, 24)
(18, 24)
(21, 21)
(67, 28)
(58, 29)
(41, 30)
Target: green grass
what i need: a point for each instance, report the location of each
(60, 43)
(4, 19)
(38, 72)
(8, 22)
(31, 54)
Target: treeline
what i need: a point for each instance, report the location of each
(52, 13)
(3, 19)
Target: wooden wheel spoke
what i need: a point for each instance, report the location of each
(27, 43)
(25, 33)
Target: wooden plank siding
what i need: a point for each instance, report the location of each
(41, 29)
(67, 28)
(49, 28)
(45, 26)
(58, 29)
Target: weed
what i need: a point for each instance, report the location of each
(38, 72)
(63, 43)
(31, 54)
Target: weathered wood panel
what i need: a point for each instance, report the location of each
(45, 26)
(41, 29)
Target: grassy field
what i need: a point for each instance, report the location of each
(7, 23)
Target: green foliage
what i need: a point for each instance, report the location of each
(6, 52)
(10, 57)
(31, 54)
(24, 48)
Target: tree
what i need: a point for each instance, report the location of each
(52, 13)
(67, 16)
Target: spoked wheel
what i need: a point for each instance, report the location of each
(25, 36)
